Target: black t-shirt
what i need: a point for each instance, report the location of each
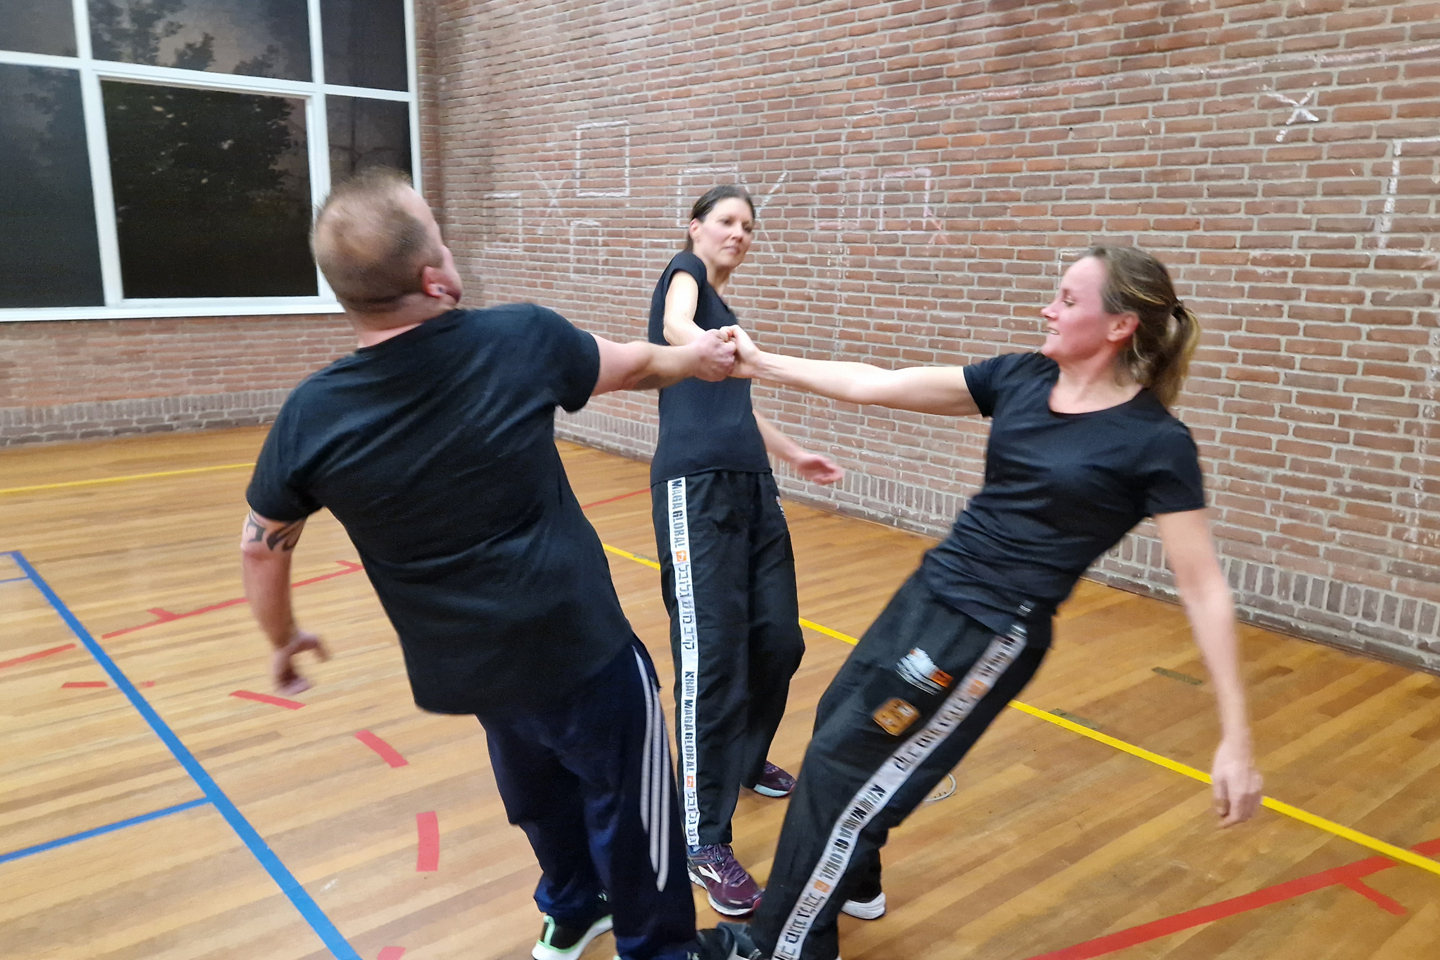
(703, 426)
(435, 449)
(1060, 490)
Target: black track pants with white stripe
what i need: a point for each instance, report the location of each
(590, 783)
(728, 578)
(922, 685)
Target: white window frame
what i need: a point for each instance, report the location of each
(313, 92)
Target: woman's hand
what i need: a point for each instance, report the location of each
(817, 468)
(1236, 783)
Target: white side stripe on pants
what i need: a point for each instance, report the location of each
(655, 780)
(689, 678)
(882, 786)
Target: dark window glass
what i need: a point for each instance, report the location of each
(367, 133)
(49, 256)
(37, 26)
(212, 192)
(365, 43)
(258, 38)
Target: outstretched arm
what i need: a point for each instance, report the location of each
(1211, 611)
(923, 389)
(811, 466)
(265, 547)
(638, 365)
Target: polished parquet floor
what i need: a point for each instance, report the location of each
(148, 812)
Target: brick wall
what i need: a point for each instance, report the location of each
(924, 172)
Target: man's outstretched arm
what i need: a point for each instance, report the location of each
(638, 365)
(265, 548)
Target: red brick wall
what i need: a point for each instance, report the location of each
(925, 169)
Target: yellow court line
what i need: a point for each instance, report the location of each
(132, 476)
(1279, 806)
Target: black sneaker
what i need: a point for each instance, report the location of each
(559, 942)
(728, 941)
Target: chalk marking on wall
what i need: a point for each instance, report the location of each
(711, 171)
(1298, 114)
(575, 227)
(623, 126)
(503, 246)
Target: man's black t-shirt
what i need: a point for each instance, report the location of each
(703, 426)
(1060, 490)
(435, 449)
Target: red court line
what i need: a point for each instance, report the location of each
(36, 656)
(391, 953)
(266, 698)
(162, 615)
(387, 753)
(632, 493)
(88, 684)
(1290, 889)
(427, 825)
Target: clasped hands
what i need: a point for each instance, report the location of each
(727, 352)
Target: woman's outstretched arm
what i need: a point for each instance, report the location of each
(923, 389)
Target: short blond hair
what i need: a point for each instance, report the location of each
(369, 246)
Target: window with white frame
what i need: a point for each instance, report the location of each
(164, 157)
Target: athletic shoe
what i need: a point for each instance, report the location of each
(728, 886)
(774, 782)
(560, 942)
(872, 909)
(728, 941)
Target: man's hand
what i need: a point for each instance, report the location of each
(282, 666)
(747, 355)
(1236, 784)
(714, 355)
(817, 468)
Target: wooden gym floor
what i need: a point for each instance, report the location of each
(150, 807)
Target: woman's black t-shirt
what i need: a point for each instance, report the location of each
(1060, 490)
(703, 426)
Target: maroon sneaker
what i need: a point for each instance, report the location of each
(728, 886)
(774, 782)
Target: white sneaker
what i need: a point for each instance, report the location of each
(865, 909)
(558, 942)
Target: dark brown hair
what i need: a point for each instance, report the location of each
(714, 195)
(1158, 355)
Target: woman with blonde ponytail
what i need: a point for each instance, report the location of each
(1082, 447)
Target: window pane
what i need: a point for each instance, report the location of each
(367, 133)
(37, 26)
(258, 38)
(49, 256)
(212, 192)
(365, 43)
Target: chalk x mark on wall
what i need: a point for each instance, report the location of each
(1299, 113)
(602, 158)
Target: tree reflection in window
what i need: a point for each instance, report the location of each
(212, 192)
(259, 38)
(367, 133)
(49, 253)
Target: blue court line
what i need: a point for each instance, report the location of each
(281, 874)
(14, 580)
(108, 828)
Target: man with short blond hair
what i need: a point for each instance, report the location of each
(433, 445)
